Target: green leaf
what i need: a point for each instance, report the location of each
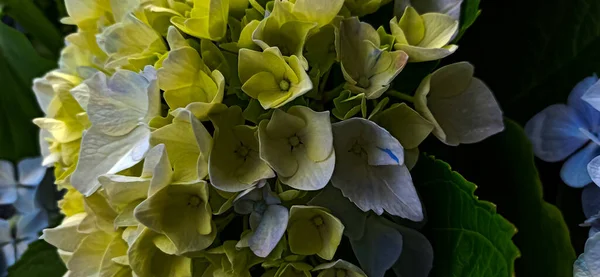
(19, 64)
(40, 259)
(468, 236)
(35, 22)
(512, 182)
(469, 13)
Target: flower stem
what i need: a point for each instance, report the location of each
(401, 96)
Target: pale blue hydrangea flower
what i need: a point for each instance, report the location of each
(569, 131)
(588, 264)
(591, 208)
(18, 189)
(268, 219)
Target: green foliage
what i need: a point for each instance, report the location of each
(469, 13)
(514, 185)
(35, 22)
(19, 64)
(469, 237)
(40, 259)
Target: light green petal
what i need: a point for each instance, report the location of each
(276, 152)
(126, 217)
(108, 268)
(122, 190)
(117, 104)
(208, 19)
(252, 62)
(405, 124)
(147, 260)
(175, 39)
(202, 111)
(304, 220)
(263, 83)
(181, 139)
(421, 54)
(98, 209)
(131, 38)
(245, 40)
(182, 213)
(317, 135)
(358, 47)
(304, 237)
(284, 125)
(180, 69)
(102, 154)
(318, 11)
(310, 175)
(413, 26)
(388, 66)
(87, 258)
(439, 30)
(234, 164)
(65, 236)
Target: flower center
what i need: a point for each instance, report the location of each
(356, 149)
(317, 221)
(364, 82)
(194, 201)
(284, 85)
(242, 151)
(294, 141)
(260, 207)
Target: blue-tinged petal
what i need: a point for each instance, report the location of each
(590, 200)
(25, 200)
(31, 224)
(354, 219)
(31, 171)
(379, 248)
(574, 171)
(586, 111)
(269, 231)
(370, 177)
(416, 259)
(5, 232)
(589, 262)
(555, 134)
(8, 190)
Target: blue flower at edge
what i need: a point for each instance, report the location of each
(569, 132)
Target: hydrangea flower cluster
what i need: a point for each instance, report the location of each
(249, 137)
(23, 206)
(570, 131)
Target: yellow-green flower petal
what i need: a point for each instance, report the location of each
(405, 124)
(424, 37)
(312, 230)
(281, 82)
(148, 260)
(298, 146)
(182, 213)
(188, 144)
(207, 19)
(234, 163)
(367, 69)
